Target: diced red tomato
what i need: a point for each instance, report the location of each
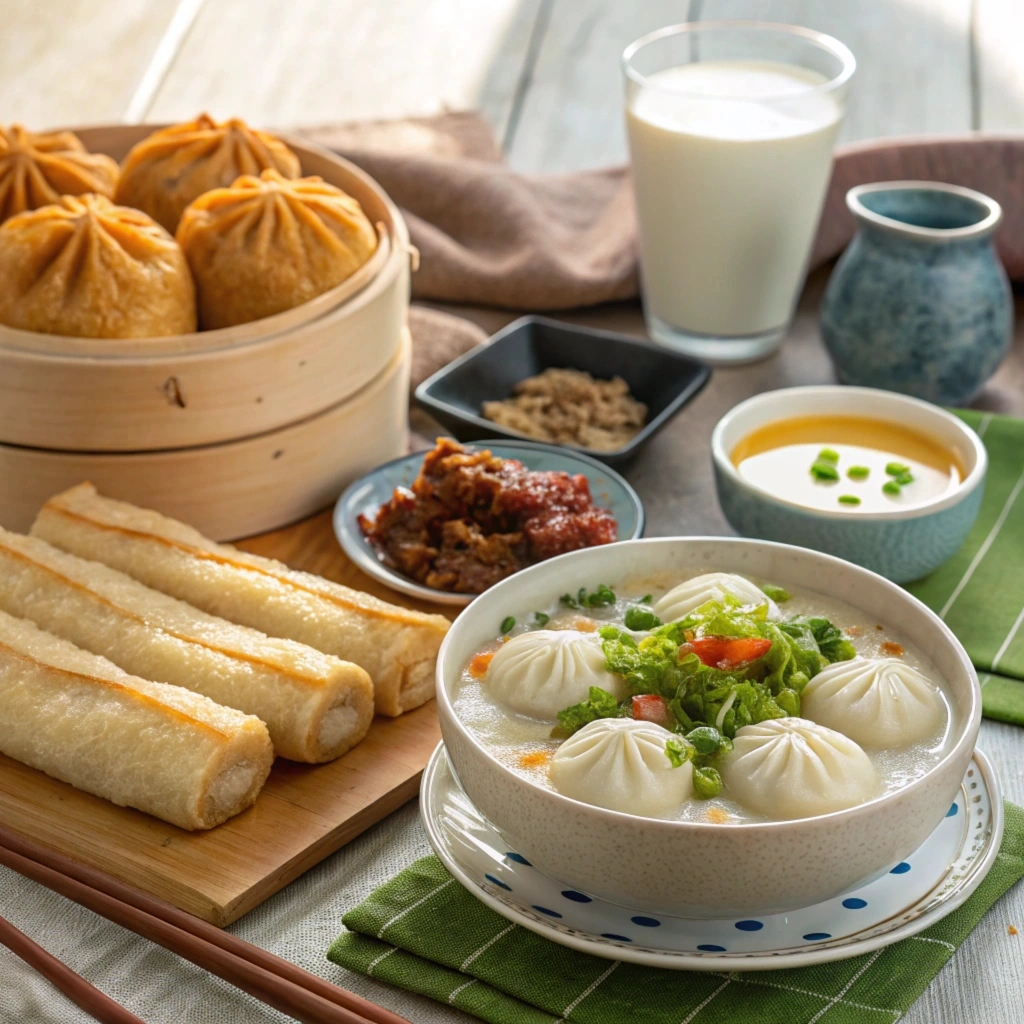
(649, 707)
(727, 652)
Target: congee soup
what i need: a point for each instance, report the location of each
(714, 698)
(847, 463)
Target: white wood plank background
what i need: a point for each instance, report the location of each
(545, 72)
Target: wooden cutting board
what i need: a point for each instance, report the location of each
(304, 812)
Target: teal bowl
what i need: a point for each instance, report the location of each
(902, 545)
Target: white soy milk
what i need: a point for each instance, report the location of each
(730, 162)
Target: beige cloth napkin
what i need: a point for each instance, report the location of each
(490, 236)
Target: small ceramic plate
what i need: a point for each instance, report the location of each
(367, 494)
(929, 884)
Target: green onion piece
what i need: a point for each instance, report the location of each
(778, 594)
(541, 618)
(789, 701)
(508, 624)
(858, 472)
(896, 468)
(904, 478)
(641, 618)
(569, 601)
(822, 470)
(678, 751)
(891, 487)
(647, 599)
(849, 499)
(706, 739)
(706, 783)
(828, 455)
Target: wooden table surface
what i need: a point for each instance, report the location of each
(545, 73)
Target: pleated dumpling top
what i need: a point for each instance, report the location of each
(37, 169)
(170, 168)
(268, 244)
(87, 268)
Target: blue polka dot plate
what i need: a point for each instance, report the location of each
(363, 497)
(914, 894)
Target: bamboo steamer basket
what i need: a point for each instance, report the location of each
(155, 394)
(237, 488)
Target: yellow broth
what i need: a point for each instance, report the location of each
(778, 458)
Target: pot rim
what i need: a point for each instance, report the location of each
(992, 212)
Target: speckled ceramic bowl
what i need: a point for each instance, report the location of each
(902, 545)
(694, 869)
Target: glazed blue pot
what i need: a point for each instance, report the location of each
(919, 302)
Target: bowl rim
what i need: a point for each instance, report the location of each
(975, 477)
(350, 537)
(424, 396)
(992, 212)
(967, 737)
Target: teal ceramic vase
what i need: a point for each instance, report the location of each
(919, 302)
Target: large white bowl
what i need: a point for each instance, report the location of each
(695, 869)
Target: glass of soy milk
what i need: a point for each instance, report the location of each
(731, 127)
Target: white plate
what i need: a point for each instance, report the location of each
(929, 884)
(366, 495)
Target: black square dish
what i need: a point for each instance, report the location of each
(663, 380)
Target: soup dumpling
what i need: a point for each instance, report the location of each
(878, 702)
(546, 670)
(621, 764)
(270, 243)
(36, 169)
(89, 269)
(794, 768)
(712, 586)
(175, 165)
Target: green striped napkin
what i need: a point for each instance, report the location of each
(423, 932)
(979, 592)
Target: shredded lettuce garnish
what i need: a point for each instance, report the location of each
(778, 594)
(600, 704)
(678, 751)
(700, 696)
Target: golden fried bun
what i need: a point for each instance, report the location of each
(168, 169)
(37, 169)
(268, 244)
(87, 268)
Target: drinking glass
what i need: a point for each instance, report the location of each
(731, 126)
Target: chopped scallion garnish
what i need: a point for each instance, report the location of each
(541, 618)
(824, 471)
(508, 624)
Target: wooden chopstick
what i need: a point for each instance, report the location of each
(99, 1006)
(282, 984)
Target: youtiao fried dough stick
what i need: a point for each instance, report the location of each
(158, 748)
(398, 647)
(315, 706)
